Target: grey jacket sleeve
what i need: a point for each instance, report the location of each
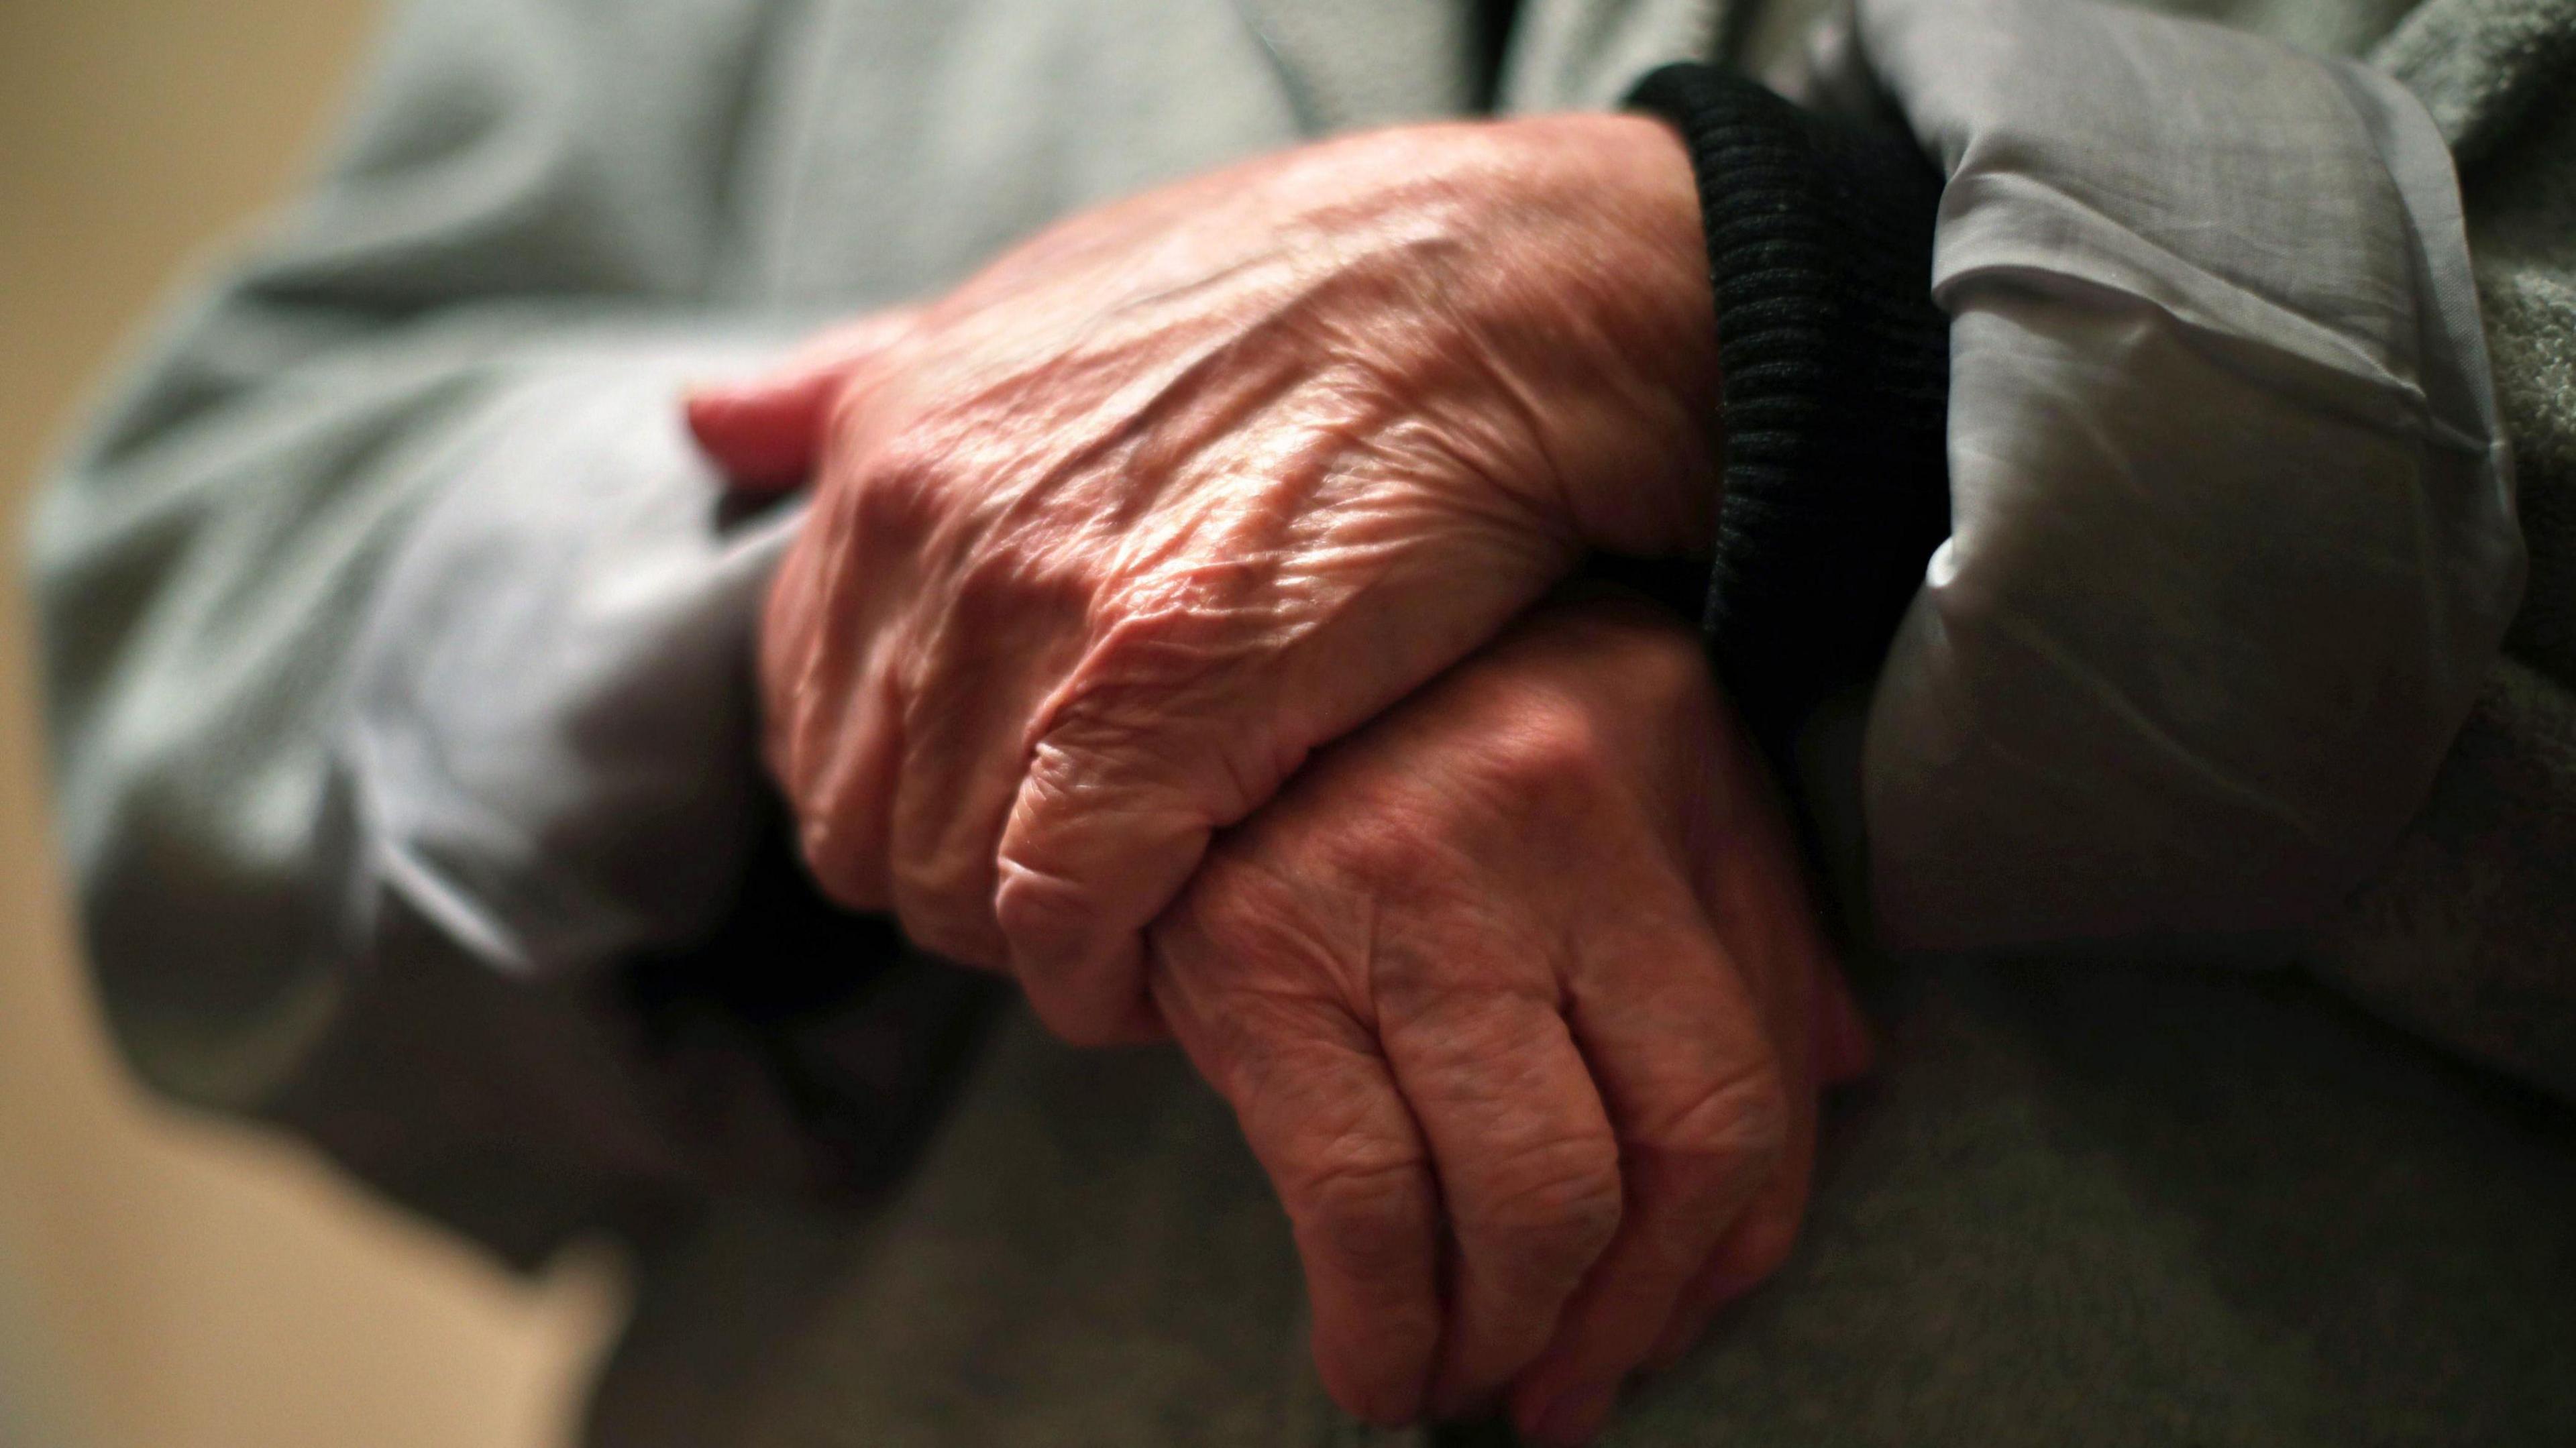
(505, 268)
(2293, 478)
(2232, 535)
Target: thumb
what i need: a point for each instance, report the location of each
(767, 432)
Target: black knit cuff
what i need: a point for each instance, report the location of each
(1834, 369)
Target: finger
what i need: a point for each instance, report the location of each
(1322, 1114)
(1757, 1246)
(1187, 713)
(1758, 900)
(844, 819)
(766, 433)
(1754, 897)
(835, 725)
(1696, 1093)
(1072, 933)
(1528, 1171)
(1760, 1241)
(1803, 981)
(997, 650)
(787, 661)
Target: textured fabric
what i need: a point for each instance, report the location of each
(2057, 1216)
(2497, 75)
(2146, 1205)
(212, 553)
(2483, 67)
(556, 654)
(2466, 933)
(2467, 929)
(272, 764)
(1429, 58)
(2232, 541)
(1586, 54)
(1819, 239)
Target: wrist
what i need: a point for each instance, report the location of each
(1621, 259)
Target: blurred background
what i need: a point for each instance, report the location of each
(167, 1281)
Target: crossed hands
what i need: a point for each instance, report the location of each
(1180, 626)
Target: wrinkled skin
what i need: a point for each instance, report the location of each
(1523, 1008)
(1108, 539)
(1515, 990)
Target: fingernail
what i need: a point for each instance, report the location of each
(1576, 1418)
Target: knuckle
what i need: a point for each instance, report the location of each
(1175, 629)
(1739, 1124)
(1104, 733)
(1236, 906)
(1096, 841)
(1656, 656)
(1556, 753)
(1555, 1206)
(1010, 588)
(896, 493)
(1170, 687)
(1048, 917)
(1251, 928)
(1366, 1216)
(1087, 746)
(1401, 853)
(1131, 686)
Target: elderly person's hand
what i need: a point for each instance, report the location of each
(1106, 540)
(1523, 1007)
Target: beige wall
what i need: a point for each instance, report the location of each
(166, 1282)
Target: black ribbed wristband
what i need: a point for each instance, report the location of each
(1834, 368)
